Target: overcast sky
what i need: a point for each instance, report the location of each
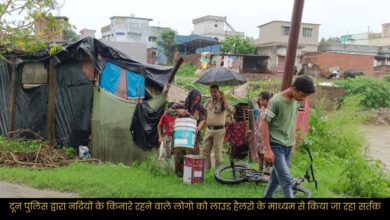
(337, 17)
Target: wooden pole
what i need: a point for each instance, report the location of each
(12, 101)
(292, 43)
(51, 104)
(172, 74)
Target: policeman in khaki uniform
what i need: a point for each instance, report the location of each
(216, 107)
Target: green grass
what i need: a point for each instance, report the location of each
(148, 179)
(327, 178)
(108, 180)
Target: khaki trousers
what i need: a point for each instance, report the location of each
(213, 140)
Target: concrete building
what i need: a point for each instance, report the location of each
(358, 39)
(242, 63)
(87, 33)
(356, 49)
(216, 27)
(273, 40)
(369, 38)
(136, 51)
(131, 29)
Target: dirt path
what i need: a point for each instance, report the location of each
(378, 138)
(11, 190)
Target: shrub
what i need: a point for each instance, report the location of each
(186, 69)
(337, 132)
(19, 145)
(70, 152)
(335, 139)
(386, 77)
(366, 179)
(375, 93)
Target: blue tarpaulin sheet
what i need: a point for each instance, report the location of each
(135, 85)
(111, 79)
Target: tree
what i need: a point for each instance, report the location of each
(238, 45)
(17, 19)
(330, 41)
(71, 35)
(167, 40)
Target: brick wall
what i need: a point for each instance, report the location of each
(151, 56)
(325, 60)
(193, 58)
(382, 68)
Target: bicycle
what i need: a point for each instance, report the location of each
(235, 173)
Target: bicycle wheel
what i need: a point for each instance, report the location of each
(301, 192)
(298, 191)
(226, 175)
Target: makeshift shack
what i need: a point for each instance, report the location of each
(86, 93)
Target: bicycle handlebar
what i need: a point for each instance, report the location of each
(310, 177)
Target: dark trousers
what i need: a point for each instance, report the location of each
(179, 159)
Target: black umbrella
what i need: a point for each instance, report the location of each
(222, 77)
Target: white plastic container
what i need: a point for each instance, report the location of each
(184, 133)
(84, 152)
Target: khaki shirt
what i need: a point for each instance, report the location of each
(216, 112)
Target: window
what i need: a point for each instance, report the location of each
(53, 29)
(34, 73)
(285, 30)
(215, 25)
(152, 39)
(307, 32)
